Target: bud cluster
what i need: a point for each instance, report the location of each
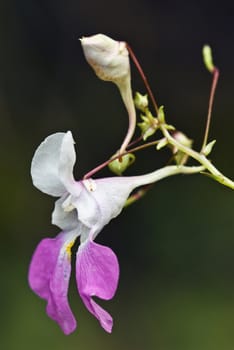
(110, 60)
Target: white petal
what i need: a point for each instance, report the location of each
(67, 161)
(53, 163)
(111, 195)
(101, 200)
(87, 207)
(66, 220)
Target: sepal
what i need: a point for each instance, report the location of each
(162, 143)
(208, 148)
(149, 125)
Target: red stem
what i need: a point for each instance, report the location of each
(140, 70)
(103, 165)
(210, 105)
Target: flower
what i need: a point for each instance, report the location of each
(82, 210)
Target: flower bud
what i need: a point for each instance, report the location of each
(108, 57)
(110, 61)
(119, 165)
(141, 101)
(179, 156)
(207, 58)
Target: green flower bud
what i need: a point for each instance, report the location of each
(207, 58)
(119, 165)
(141, 101)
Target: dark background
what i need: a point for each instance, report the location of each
(176, 246)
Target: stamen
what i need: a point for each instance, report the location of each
(67, 205)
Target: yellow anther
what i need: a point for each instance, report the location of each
(69, 247)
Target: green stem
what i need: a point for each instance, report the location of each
(201, 158)
(164, 172)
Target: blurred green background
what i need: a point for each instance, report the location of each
(176, 246)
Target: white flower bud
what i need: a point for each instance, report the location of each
(110, 61)
(108, 57)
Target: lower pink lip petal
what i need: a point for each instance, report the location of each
(97, 274)
(49, 276)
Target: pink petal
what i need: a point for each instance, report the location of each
(97, 274)
(49, 276)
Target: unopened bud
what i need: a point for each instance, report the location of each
(179, 156)
(207, 58)
(182, 138)
(110, 61)
(119, 165)
(108, 57)
(141, 101)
